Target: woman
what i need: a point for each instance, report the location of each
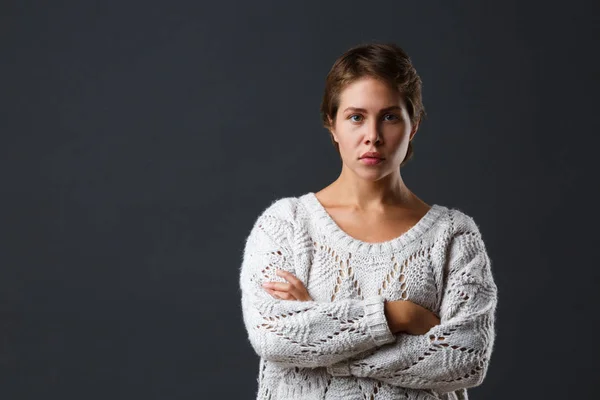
(362, 290)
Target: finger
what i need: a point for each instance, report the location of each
(283, 295)
(272, 293)
(299, 290)
(288, 276)
(286, 288)
(280, 286)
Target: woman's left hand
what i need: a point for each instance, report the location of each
(293, 289)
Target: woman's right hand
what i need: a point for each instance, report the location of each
(409, 317)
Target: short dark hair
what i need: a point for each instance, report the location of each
(385, 61)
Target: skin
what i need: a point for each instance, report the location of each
(370, 202)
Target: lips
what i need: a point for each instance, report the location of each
(372, 154)
(371, 160)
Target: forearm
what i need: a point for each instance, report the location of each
(314, 334)
(449, 357)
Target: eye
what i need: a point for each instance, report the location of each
(354, 115)
(394, 117)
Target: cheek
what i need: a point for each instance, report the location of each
(347, 137)
(397, 134)
(350, 141)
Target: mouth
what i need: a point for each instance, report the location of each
(371, 160)
(372, 154)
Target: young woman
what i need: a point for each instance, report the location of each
(362, 290)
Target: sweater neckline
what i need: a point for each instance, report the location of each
(339, 236)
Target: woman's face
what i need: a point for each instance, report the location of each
(372, 117)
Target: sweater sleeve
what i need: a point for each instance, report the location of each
(300, 333)
(456, 353)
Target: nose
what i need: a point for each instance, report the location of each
(373, 133)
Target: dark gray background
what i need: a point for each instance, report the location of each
(140, 140)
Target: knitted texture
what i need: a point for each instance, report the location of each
(339, 345)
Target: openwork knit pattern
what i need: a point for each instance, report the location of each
(339, 345)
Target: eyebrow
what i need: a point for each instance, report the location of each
(363, 110)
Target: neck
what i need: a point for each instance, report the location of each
(364, 194)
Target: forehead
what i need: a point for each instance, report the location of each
(368, 93)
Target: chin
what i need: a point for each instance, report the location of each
(372, 175)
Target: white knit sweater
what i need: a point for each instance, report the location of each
(339, 345)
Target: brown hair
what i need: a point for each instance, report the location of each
(385, 61)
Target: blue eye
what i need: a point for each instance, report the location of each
(394, 117)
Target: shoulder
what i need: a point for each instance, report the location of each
(466, 239)
(283, 210)
(278, 220)
(462, 223)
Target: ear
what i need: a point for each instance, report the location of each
(332, 130)
(413, 131)
(334, 135)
